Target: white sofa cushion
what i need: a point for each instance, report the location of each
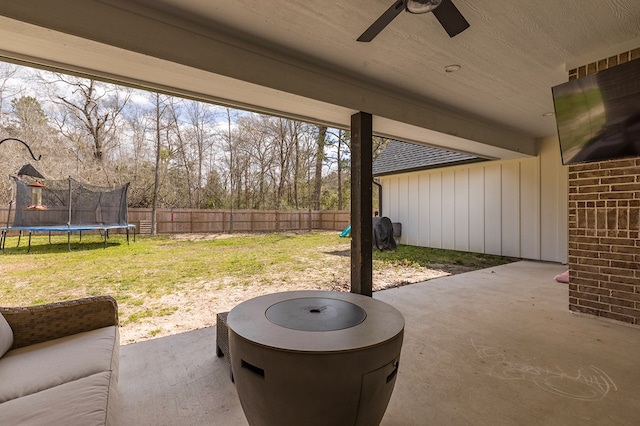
(6, 336)
(82, 402)
(34, 368)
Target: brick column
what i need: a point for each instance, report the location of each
(604, 227)
(604, 244)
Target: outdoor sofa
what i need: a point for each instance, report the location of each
(59, 363)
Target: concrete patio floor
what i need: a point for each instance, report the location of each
(491, 347)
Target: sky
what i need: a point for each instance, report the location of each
(24, 83)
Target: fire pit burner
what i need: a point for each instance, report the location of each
(315, 314)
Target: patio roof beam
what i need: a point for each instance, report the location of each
(135, 43)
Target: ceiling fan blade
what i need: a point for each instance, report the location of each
(450, 18)
(382, 21)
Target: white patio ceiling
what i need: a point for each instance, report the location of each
(301, 59)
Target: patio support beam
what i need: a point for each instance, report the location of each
(149, 46)
(361, 203)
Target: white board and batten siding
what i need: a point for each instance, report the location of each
(512, 208)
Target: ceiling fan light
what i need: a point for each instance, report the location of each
(422, 6)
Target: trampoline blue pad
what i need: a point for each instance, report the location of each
(66, 228)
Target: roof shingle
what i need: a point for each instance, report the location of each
(402, 157)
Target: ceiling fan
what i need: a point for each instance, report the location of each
(445, 11)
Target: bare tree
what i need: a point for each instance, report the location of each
(200, 116)
(137, 159)
(182, 149)
(31, 122)
(322, 135)
(283, 145)
(379, 144)
(90, 106)
(179, 153)
(341, 140)
(231, 149)
(159, 109)
(255, 143)
(7, 73)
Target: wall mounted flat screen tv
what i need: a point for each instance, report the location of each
(598, 116)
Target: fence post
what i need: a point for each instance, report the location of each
(224, 221)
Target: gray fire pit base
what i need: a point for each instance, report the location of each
(340, 373)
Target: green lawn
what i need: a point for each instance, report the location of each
(142, 273)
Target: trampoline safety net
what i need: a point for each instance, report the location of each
(70, 202)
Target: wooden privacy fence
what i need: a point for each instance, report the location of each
(185, 221)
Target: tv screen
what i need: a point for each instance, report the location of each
(598, 116)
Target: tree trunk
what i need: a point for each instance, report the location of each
(156, 180)
(296, 170)
(339, 155)
(231, 148)
(322, 135)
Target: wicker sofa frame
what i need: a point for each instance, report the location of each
(36, 324)
(222, 339)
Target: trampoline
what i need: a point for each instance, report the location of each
(66, 206)
(104, 231)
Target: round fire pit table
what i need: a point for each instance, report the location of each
(314, 358)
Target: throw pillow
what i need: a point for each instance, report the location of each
(6, 336)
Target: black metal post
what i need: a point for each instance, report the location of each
(361, 203)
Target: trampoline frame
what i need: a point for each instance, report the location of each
(103, 229)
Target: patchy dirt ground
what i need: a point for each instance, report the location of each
(197, 307)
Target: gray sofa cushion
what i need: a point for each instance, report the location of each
(34, 368)
(6, 336)
(82, 402)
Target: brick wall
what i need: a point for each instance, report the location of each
(603, 64)
(604, 228)
(604, 244)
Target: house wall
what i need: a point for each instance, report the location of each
(604, 226)
(513, 208)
